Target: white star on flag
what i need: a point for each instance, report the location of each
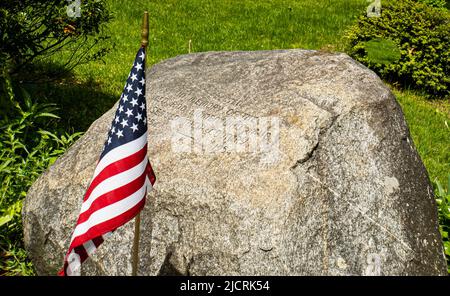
(134, 127)
(138, 91)
(129, 112)
(138, 66)
(124, 123)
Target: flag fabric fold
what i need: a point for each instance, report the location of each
(122, 177)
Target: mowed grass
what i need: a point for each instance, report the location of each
(221, 25)
(429, 124)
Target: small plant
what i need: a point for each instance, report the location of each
(443, 201)
(26, 150)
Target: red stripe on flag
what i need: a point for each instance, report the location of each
(116, 168)
(97, 241)
(80, 250)
(109, 225)
(112, 197)
(150, 173)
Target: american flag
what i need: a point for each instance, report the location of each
(123, 175)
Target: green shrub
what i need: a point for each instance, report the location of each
(26, 150)
(443, 201)
(421, 33)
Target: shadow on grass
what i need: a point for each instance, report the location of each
(79, 103)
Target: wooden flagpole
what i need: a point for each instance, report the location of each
(137, 220)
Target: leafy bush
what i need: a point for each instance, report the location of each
(421, 33)
(26, 150)
(33, 30)
(443, 201)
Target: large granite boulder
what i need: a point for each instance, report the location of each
(289, 162)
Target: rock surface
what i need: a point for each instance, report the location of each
(320, 176)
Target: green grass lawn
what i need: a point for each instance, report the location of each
(219, 25)
(429, 124)
(231, 25)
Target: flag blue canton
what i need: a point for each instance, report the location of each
(130, 120)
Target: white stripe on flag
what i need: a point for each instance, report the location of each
(120, 152)
(113, 183)
(110, 212)
(73, 264)
(89, 247)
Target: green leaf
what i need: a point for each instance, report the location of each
(5, 164)
(440, 189)
(447, 248)
(5, 219)
(46, 114)
(448, 186)
(47, 133)
(10, 212)
(27, 98)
